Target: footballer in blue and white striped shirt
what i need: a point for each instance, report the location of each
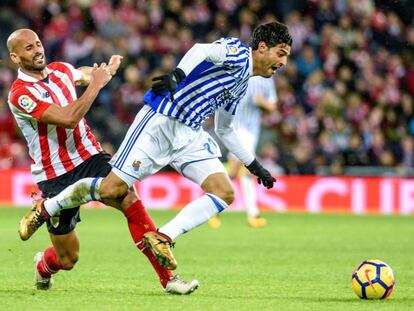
(209, 79)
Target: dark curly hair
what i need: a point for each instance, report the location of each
(272, 34)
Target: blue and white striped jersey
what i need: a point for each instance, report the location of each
(220, 80)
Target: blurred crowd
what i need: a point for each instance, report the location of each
(345, 98)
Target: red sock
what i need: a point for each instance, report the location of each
(140, 222)
(49, 264)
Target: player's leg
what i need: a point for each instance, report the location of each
(64, 252)
(109, 190)
(233, 169)
(138, 218)
(213, 179)
(63, 255)
(67, 249)
(81, 192)
(198, 161)
(139, 223)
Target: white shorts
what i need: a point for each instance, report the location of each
(154, 141)
(249, 140)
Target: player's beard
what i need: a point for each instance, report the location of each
(35, 64)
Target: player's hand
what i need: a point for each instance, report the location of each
(168, 82)
(101, 75)
(114, 63)
(263, 175)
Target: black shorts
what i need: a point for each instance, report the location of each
(66, 220)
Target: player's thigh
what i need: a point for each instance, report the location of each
(220, 185)
(67, 247)
(199, 169)
(217, 182)
(199, 158)
(212, 177)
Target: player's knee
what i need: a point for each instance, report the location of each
(130, 198)
(226, 194)
(69, 261)
(111, 191)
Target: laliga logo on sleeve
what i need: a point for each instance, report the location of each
(232, 49)
(27, 103)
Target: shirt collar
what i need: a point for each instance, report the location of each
(22, 76)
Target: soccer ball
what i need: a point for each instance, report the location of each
(373, 279)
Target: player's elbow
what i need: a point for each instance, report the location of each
(69, 122)
(60, 117)
(72, 125)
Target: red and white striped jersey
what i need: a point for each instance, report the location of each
(54, 150)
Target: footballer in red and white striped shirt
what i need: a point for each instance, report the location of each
(54, 148)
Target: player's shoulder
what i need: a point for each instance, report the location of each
(17, 89)
(230, 41)
(234, 46)
(20, 96)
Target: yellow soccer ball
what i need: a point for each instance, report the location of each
(373, 279)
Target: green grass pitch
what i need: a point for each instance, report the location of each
(298, 262)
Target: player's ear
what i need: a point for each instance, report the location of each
(262, 46)
(15, 59)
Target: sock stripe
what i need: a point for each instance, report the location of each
(46, 267)
(216, 202)
(92, 190)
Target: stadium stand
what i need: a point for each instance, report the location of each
(345, 97)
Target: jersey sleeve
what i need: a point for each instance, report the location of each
(223, 126)
(28, 103)
(228, 52)
(233, 53)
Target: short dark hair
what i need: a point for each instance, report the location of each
(272, 34)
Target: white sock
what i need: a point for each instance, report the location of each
(193, 215)
(81, 192)
(248, 189)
